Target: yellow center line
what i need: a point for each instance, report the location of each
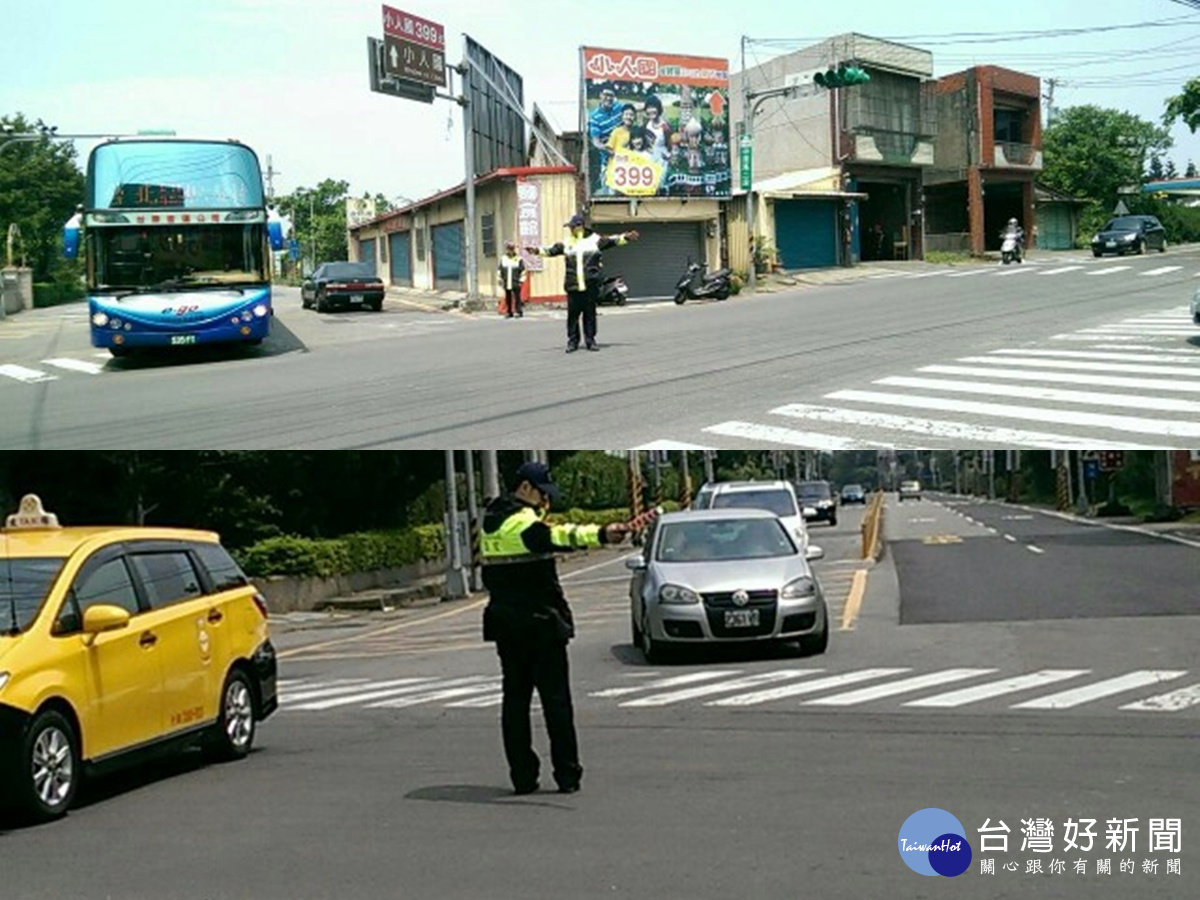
(387, 629)
(858, 589)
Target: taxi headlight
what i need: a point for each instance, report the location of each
(3, 680)
(673, 593)
(800, 589)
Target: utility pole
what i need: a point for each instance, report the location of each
(1049, 98)
(271, 173)
(475, 527)
(685, 486)
(472, 260)
(709, 475)
(491, 475)
(456, 584)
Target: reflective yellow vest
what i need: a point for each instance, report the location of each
(506, 545)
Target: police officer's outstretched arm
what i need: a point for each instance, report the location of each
(544, 538)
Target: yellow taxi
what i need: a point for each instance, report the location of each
(119, 640)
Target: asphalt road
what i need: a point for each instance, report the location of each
(367, 786)
(1073, 351)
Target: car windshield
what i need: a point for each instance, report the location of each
(852, 489)
(813, 491)
(776, 501)
(723, 539)
(24, 583)
(1126, 224)
(347, 270)
(910, 485)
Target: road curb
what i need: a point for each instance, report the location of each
(1112, 526)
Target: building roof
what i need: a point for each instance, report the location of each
(825, 181)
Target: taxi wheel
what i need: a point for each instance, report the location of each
(653, 650)
(635, 633)
(50, 766)
(815, 644)
(233, 735)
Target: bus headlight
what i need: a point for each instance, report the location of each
(100, 319)
(114, 324)
(262, 310)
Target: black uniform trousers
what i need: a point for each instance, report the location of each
(582, 304)
(527, 665)
(512, 301)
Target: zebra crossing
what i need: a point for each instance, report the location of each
(1100, 387)
(872, 689)
(1076, 267)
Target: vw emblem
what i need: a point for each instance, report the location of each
(740, 598)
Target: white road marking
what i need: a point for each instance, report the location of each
(958, 431)
(381, 693)
(1090, 354)
(338, 688)
(1134, 424)
(1052, 395)
(673, 681)
(776, 435)
(720, 687)
(967, 273)
(903, 686)
(433, 696)
(1109, 270)
(1033, 548)
(28, 376)
(1016, 271)
(1060, 270)
(1149, 384)
(964, 696)
(1106, 688)
(75, 365)
(805, 687)
(1171, 702)
(670, 445)
(1137, 369)
(1010, 538)
(1162, 270)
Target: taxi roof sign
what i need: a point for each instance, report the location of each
(31, 514)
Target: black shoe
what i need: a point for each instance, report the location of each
(523, 789)
(571, 348)
(592, 345)
(570, 788)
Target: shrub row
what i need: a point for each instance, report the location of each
(372, 550)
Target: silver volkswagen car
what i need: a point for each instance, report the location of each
(725, 575)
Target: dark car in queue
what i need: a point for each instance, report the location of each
(1130, 234)
(342, 285)
(819, 501)
(853, 493)
(725, 576)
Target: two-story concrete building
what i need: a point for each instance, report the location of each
(987, 156)
(839, 175)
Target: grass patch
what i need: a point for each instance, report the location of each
(950, 257)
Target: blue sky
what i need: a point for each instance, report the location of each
(289, 76)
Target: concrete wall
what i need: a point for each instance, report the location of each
(285, 593)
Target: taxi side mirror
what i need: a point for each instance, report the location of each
(635, 564)
(104, 617)
(812, 552)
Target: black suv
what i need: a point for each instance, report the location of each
(1130, 234)
(818, 496)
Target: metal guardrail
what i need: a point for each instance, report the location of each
(872, 527)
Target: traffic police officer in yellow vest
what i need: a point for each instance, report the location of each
(528, 617)
(585, 267)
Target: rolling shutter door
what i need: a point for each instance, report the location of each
(657, 260)
(806, 233)
(448, 263)
(400, 257)
(1054, 227)
(367, 249)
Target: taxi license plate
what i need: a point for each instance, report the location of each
(741, 618)
(178, 340)
(356, 298)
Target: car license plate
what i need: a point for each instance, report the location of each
(741, 618)
(1111, 244)
(178, 340)
(356, 298)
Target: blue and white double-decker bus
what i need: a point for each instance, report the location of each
(177, 239)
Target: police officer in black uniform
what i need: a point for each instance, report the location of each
(529, 619)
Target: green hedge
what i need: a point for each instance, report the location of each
(371, 550)
(55, 293)
(362, 552)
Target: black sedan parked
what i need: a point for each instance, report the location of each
(1130, 234)
(342, 284)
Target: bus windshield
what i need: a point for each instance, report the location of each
(170, 257)
(174, 175)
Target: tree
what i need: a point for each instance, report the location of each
(40, 186)
(1093, 152)
(1171, 171)
(1155, 171)
(1190, 172)
(1185, 107)
(319, 219)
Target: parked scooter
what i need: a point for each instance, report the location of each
(1010, 249)
(613, 291)
(696, 285)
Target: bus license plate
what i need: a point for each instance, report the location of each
(356, 298)
(741, 618)
(178, 340)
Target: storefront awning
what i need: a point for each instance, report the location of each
(801, 184)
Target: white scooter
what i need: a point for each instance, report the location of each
(1010, 249)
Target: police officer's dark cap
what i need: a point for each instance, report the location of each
(538, 474)
(576, 221)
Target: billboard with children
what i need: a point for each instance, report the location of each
(656, 125)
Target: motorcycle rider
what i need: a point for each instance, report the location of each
(1014, 229)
